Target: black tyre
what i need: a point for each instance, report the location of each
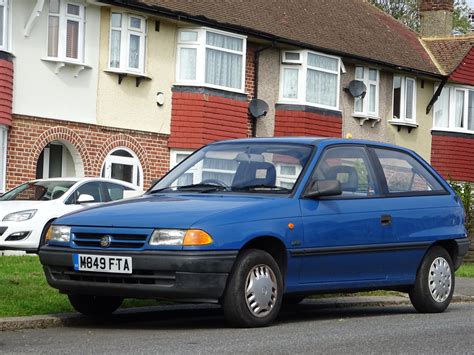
(434, 285)
(95, 305)
(254, 291)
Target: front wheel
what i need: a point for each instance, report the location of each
(434, 285)
(254, 292)
(95, 305)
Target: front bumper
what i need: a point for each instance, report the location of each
(178, 275)
(29, 244)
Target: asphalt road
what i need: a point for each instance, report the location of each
(306, 328)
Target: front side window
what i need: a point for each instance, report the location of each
(211, 58)
(404, 98)
(310, 79)
(369, 103)
(66, 31)
(127, 42)
(238, 168)
(115, 191)
(90, 188)
(404, 174)
(351, 167)
(454, 109)
(4, 25)
(3, 156)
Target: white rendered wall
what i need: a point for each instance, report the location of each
(37, 90)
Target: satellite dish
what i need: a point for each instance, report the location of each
(357, 88)
(258, 108)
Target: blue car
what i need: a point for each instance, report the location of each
(256, 223)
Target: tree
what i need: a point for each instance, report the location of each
(408, 13)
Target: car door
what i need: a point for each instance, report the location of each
(343, 234)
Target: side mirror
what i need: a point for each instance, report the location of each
(85, 198)
(322, 188)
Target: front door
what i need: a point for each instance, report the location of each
(343, 235)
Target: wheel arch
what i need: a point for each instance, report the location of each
(273, 246)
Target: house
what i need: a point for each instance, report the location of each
(127, 89)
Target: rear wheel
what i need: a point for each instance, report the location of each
(95, 305)
(254, 292)
(434, 285)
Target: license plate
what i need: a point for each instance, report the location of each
(103, 263)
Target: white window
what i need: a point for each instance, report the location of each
(127, 43)
(211, 58)
(4, 25)
(310, 79)
(3, 156)
(66, 31)
(404, 99)
(369, 104)
(123, 164)
(287, 174)
(454, 109)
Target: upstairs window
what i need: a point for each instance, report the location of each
(404, 99)
(127, 43)
(66, 31)
(4, 25)
(454, 109)
(211, 58)
(310, 78)
(369, 104)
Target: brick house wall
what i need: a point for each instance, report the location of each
(29, 135)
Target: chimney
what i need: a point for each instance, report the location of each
(436, 18)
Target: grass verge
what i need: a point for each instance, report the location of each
(24, 290)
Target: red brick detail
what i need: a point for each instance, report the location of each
(198, 119)
(435, 5)
(29, 135)
(6, 92)
(303, 123)
(453, 157)
(464, 73)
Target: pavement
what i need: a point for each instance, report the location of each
(463, 293)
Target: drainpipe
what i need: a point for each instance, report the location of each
(436, 94)
(256, 57)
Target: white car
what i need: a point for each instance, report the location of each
(27, 211)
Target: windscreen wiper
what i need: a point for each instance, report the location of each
(202, 188)
(262, 187)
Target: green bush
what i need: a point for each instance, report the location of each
(464, 191)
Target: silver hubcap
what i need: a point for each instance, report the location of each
(261, 290)
(439, 280)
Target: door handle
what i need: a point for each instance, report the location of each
(386, 220)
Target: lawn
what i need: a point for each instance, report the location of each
(24, 290)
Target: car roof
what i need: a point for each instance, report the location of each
(315, 141)
(85, 179)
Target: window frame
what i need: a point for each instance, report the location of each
(302, 79)
(200, 45)
(403, 85)
(62, 32)
(365, 101)
(452, 109)
(3, 157)
(5, 46)
(125, 32)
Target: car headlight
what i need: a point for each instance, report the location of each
(19, 216)
(176, 237)
(58, 234)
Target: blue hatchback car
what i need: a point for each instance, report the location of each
(256, 223)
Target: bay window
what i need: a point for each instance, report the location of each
(66, 31)
(4, 25)
(211, 58)
(310, 78)
(454, 109)
(404, 99)
(127, 43)
(369, 104)
(3, 156)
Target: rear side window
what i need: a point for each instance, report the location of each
(404, 174)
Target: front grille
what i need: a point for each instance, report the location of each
(2, 230)
(119, 241)
(137, 278)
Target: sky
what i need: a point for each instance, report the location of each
(470, 3)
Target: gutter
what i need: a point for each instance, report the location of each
(201, 20)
